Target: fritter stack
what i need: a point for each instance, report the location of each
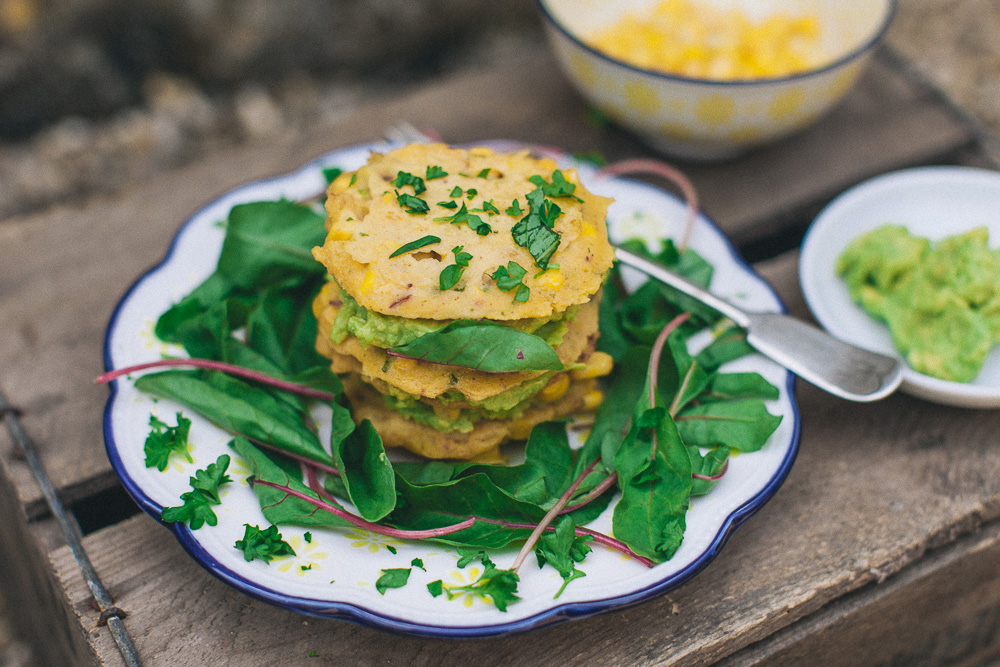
(428, 235)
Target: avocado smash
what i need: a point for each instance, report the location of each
(941, 301)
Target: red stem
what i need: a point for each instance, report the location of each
(657, 168)
(210, 364)
(594, 493)
(713, 478)
(368, 525)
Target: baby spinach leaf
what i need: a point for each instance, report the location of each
(239, 408)
(366, 472)
(655, 481)
(727, 386)
(709, 464)
(548, 449)
(483, 346)
(744, 425)
(269, 241)
(265, 545)
(279, 507)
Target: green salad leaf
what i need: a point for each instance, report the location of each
(484, 346)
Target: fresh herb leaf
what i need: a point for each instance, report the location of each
(494, 585)
(392, 578)
(413, 245)
(488, 207)
(471, 219)
(744, 425)
(434, 171)
(416, 562)
(164, 440)
(514, 209)
(470, 193)
(196, 509)
(558, 187)
(563, 549)
(308, 537)
(535, 231)
(435, 588)
(411, 204)
(483, 173)
(405, 178)
(452, 273)
(482, 345)
(265, 545)
(448, 204)
(455, 192)
(509, 278)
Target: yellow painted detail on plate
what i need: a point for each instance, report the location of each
(306, 559)
(364, 539)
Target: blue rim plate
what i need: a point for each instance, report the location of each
(333, 572)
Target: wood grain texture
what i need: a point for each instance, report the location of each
(875, 492)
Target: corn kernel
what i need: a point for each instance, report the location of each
(679, 37)
(592, 400)
(342, 182)
(367, 283)
(338, 235)
(551, 279)
(586, 229)
(555, 389)
(599, 364)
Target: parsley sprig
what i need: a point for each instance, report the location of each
(264, 545)
(164, 440)
(474, 222)
(196, 509)
(509, 278)
(453, 272)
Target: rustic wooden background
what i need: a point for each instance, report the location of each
(881, 547)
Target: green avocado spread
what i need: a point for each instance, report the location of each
(372, 328)
(941, 301)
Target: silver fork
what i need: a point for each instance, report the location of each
(842, 369)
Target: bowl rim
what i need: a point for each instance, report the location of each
(867, 45)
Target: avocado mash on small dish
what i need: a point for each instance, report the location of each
(940, 300)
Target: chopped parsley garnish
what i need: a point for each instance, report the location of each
(196, 509)
(488, 207)
(474, 221)
(330, 174)
(404, 178)
(483, 173)
(447, 204)
(435, 588)
(453, 272)
(164, 440)
(514, 209)
(455, 192)
(263, 544)
(416, 562)
(354, 179)
(509, 278)
(392, 578)
(470, 193)
(434, 171)
(534, 231)
(559, 187)
(412, 204)
(413, 245)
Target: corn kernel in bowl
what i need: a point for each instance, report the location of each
(703, 42)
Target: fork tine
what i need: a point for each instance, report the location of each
(404, 133)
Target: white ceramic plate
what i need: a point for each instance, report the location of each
(334, 574)
(933, 202)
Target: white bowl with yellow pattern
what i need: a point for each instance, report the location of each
(708, 119)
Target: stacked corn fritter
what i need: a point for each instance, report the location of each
(463, 302)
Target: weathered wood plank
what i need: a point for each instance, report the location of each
(876, 489)
(62, 271)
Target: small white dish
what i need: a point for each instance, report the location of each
(933, 202)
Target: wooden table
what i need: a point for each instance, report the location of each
(881, 547)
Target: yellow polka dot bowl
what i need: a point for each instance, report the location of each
(702, 117)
